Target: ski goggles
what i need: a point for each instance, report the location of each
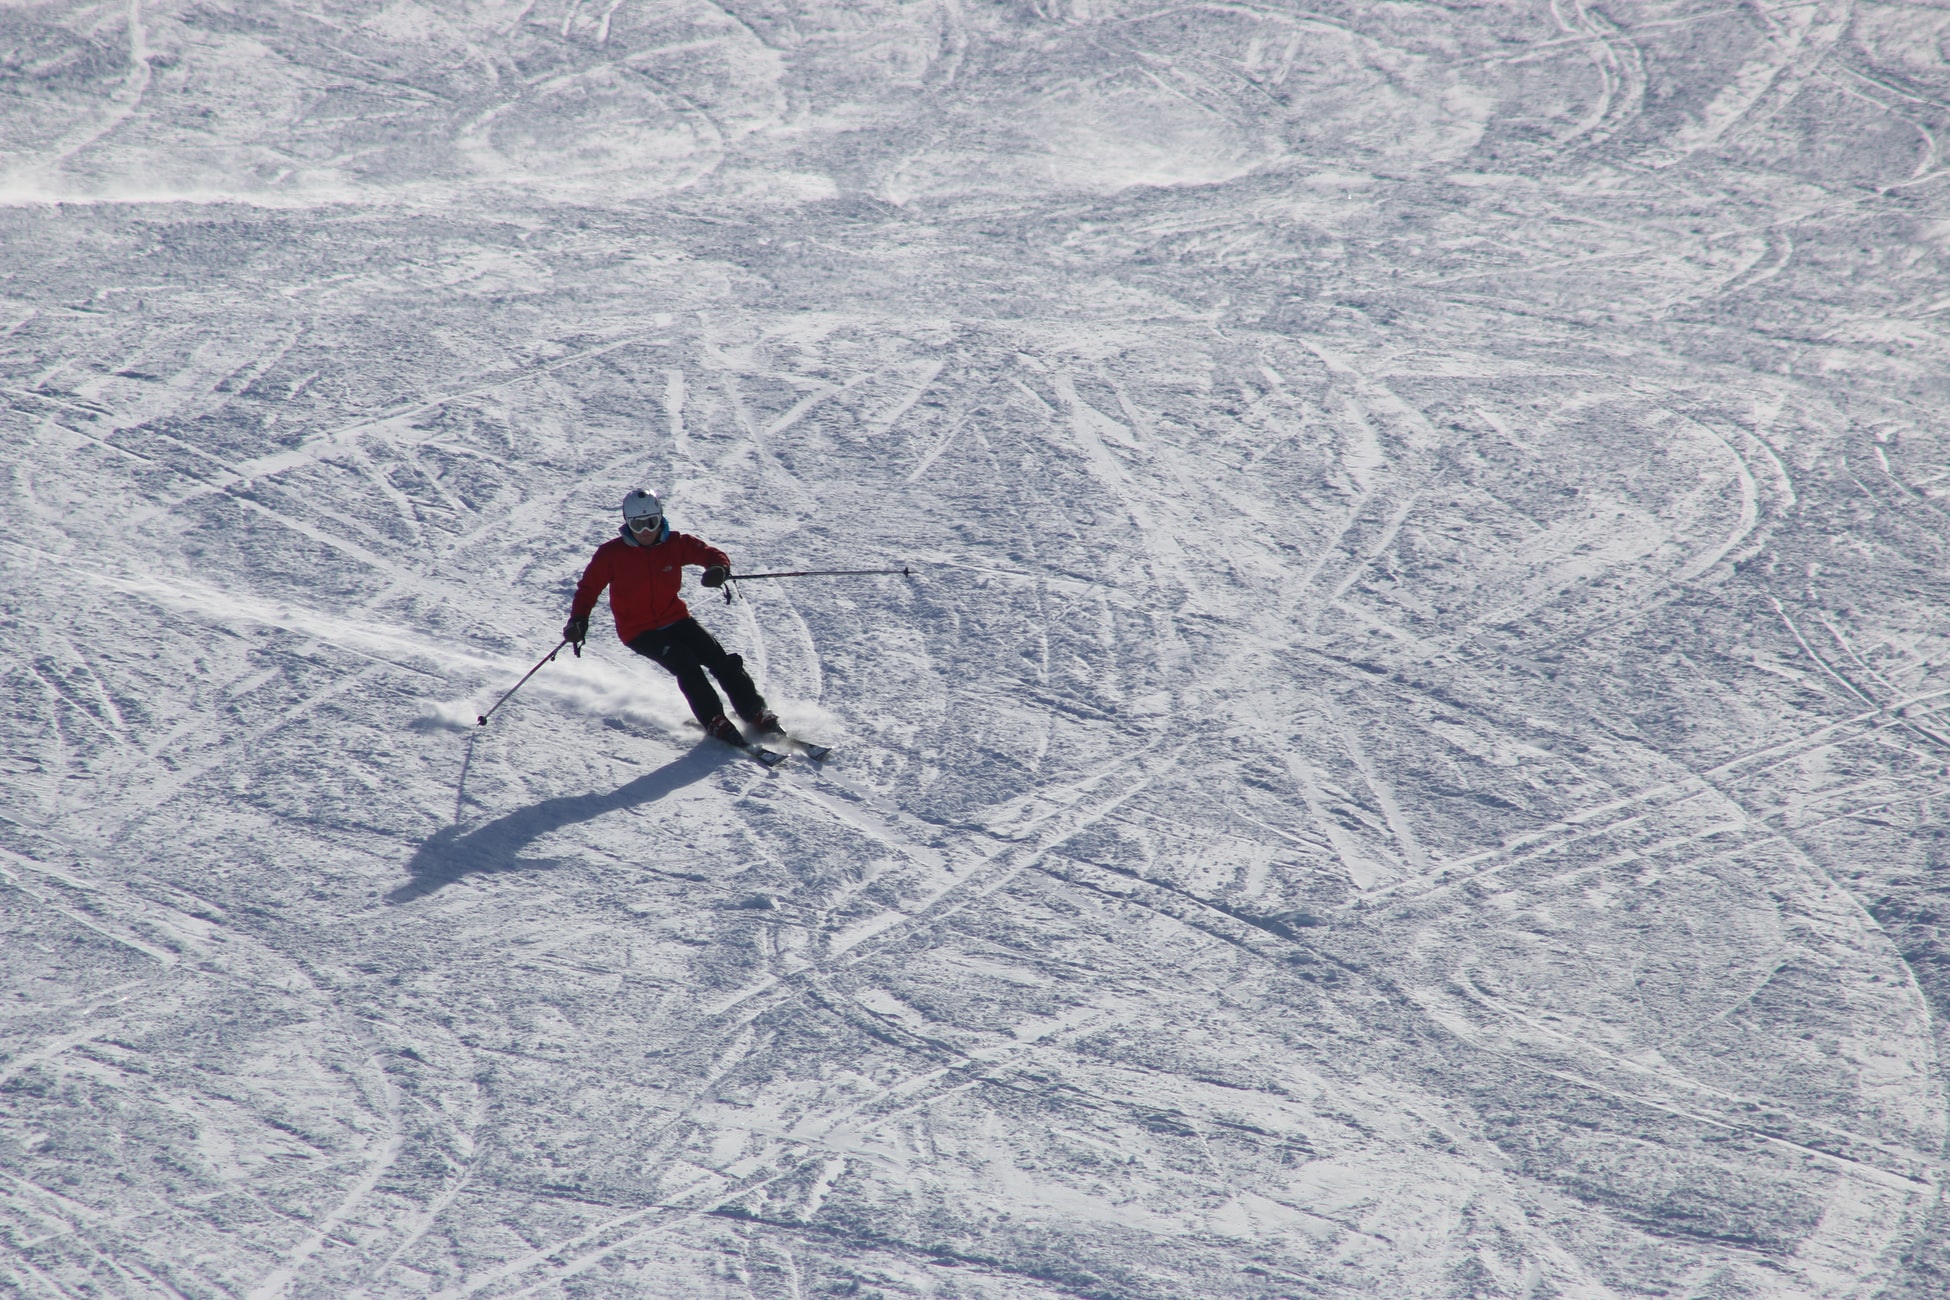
(645, 523)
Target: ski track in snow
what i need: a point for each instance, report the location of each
(1409, 765)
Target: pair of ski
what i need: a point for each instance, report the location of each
(757, 749)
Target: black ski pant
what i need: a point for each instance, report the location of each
(687, 649)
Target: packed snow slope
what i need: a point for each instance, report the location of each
(1412, 762)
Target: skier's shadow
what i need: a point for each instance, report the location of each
(450, 855)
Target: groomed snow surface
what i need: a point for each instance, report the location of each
(1413, 762)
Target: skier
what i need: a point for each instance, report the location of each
(643, 568)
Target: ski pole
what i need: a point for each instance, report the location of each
(733, 578)
(820, 573)
(482, 719)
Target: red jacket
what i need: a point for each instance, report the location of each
(643, 580)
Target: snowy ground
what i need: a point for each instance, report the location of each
(1413, 764)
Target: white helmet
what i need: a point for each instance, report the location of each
(642, 512)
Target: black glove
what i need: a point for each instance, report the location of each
(715, 575)
(576, 630)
